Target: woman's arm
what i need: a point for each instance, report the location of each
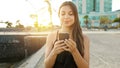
(49, 57)
(80, 61)
(52, 50)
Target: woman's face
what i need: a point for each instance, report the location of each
(66, 16)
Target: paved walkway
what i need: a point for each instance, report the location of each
(104, 50)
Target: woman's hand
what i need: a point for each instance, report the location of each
(59, 47)
(71, 45)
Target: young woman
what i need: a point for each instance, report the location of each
(72, 52)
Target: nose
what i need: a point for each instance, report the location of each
(66, 16)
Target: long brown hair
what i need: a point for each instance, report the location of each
(77, 31)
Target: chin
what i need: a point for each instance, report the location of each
(68, 25)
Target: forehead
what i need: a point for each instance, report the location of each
(66, 8)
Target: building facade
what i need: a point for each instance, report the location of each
(94, 9)
(88, 6)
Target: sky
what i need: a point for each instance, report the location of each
(115, 5)
(12, 10)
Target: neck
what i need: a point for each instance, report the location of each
(68, 30)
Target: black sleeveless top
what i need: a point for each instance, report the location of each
(64, 59)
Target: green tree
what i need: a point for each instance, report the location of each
(9, 24)
(50, 11)
(35, 16)
(19, 25)
(86, 20)
(117, 20)
(36, 24)
(104, 20)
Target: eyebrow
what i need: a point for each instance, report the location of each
(69, 11)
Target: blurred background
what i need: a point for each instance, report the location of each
(41, 15)
(99, 19)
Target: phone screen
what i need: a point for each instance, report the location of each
(63, 36)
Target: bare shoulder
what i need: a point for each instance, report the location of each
(49, 42)
(51, 37)
(51, 34)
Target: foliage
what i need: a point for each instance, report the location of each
(50, 10)
(9, 24)
(117, 20)
(19, 25)
(36, 24)
(104, 19)
(86, 17)
(86, 20)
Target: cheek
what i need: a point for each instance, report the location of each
(73, 19)
(61, 19)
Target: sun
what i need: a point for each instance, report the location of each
(48, 14)
(46, 17)
(23, 9)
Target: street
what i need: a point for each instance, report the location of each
(104, 50)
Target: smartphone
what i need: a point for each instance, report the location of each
(63, 36)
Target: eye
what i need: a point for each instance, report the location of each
(71, 14)
(62, 14)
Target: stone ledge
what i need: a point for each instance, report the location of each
(32, 61)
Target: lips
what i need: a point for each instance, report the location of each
(66, 21)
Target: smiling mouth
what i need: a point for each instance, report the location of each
(66, 21)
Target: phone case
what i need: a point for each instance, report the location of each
(63, 36)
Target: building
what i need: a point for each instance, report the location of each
(88, 6)
(94, 9)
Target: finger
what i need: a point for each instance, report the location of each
(58, 42)
(69, 42)
(60, 49)
(65, 46)
(67, 49)
(72, 42)
(60, 45)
